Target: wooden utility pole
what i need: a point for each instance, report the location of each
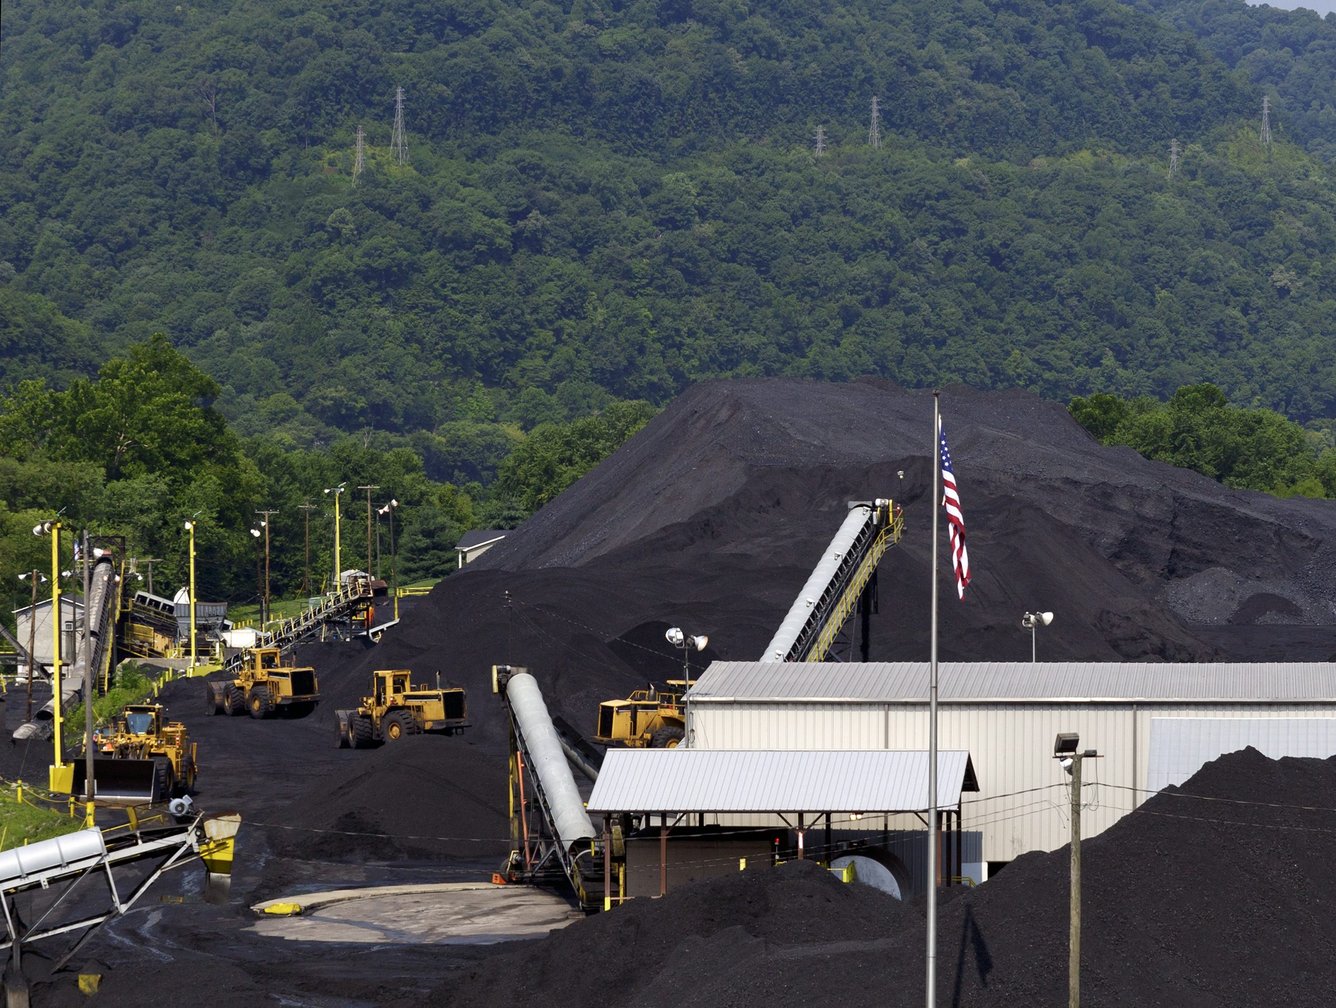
(1074, 926)
(308, 507)
(368, 488)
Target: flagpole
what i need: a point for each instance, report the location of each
(935, 461)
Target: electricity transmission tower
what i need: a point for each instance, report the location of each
(359, 154)
(820, 140)
(1174, 153)
(874, 131)
(398, 142)
(1266, 123)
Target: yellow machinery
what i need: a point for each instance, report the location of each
(397, 708)
(648, 718)
(264, 686)
(140, 756)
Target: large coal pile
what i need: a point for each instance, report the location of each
(1215, 893)
(714, 515)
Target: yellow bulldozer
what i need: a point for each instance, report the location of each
(648, 718)
(140, 756)
(397, 708)
(265, 686)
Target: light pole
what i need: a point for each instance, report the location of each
(264, 524)
(338, 564)
(389, 509)
(368, 488)
(1031, 620)
(52, 528)
(190, 527)
(1066, 753)
(34, 576)
(678, 639)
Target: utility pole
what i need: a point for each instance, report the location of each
(264, 609)
(359, 154)
(1266, 123)
(398, 141)
(874, 131)
(1065, 751)
(1174, 153)
(308, 507)
(35, 576)
(149, 562)
(820, 141)
(368, 488)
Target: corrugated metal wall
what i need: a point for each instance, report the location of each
(1024, 798)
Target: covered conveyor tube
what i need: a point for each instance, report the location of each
(563, 805)
(838, 577)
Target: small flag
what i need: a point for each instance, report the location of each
(955, 518)
(76, 551)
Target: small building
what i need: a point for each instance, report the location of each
(474, 544)
(71, 610)
(1151, 723)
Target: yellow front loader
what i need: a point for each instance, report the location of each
(140, 757)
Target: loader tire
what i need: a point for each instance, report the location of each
(397, 726)
(362, 733)
(163, 779)
(667, 737)
(188, 774)
(259, 703)
(234, 700)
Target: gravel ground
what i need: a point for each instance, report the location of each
(711, 519)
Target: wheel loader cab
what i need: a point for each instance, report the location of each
(140, 722)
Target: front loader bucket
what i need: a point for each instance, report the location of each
(122, 781)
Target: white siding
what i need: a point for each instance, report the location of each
(1024, 802)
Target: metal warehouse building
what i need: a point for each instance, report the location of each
(1153, 724)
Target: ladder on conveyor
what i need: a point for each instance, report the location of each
(843, 577)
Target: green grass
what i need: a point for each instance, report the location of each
(36, 817)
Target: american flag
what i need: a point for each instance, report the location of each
(955, 518)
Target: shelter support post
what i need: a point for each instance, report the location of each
(607, 861)
(663, 854)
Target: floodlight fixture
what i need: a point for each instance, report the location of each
(1030, 621)
(1065, 744)
(674, 636)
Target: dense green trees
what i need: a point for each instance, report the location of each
(1253, 449)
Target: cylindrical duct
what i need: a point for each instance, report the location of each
(547, 760)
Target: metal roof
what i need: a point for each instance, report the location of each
(793, 780)
(907, 682)
(1179, 747)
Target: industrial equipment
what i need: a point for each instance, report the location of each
(140, 757)
(397, 707)
(552, 832)
(648, 718)
(264, 686)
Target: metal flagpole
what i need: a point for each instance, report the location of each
(935, 458)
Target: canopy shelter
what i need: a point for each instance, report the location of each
(804, 788)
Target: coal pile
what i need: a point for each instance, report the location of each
(1215, 893)
(711, 519)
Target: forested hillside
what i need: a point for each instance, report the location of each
(591, 206)
(605, 202)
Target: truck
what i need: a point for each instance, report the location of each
(141, 757)
(397, 708)
(264, 686)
